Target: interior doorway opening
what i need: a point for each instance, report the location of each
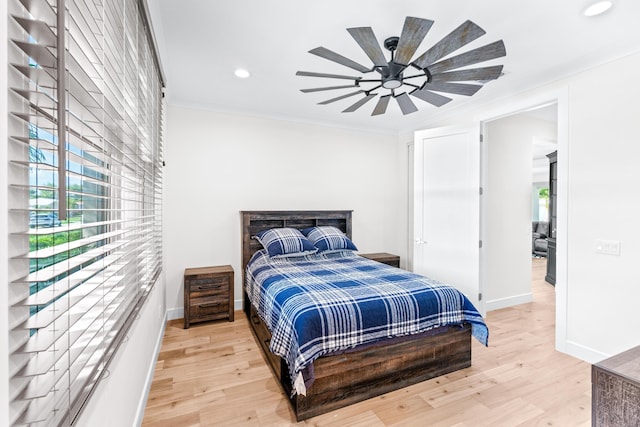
(515, 180)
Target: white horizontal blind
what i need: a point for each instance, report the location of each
(85, 154)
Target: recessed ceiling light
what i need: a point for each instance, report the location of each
(598, 8)
(242, 73)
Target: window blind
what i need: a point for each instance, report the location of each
(85, 150)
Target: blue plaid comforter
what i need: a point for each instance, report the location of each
(319, 304)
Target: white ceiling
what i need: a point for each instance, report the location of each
(202, 42)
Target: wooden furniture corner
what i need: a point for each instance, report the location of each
(384, 258)
(616, 390)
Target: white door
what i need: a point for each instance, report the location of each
(447, 208)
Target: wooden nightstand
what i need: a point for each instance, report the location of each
(385, 258)
(208, 294)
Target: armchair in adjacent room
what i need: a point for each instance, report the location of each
(540, 234)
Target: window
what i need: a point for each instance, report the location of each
(85, 150)
(540, 202)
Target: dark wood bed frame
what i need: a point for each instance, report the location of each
(347, 378)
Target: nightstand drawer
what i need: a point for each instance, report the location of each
(209, 286)
(208, 299)
(207, 308)
(208, 294)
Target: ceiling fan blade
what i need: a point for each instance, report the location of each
(329, 101)
(330, 76)
(457, 88)
(430, 97)
(481, 54)
(465, 33)
(381, 106)
(413, 32)
(473, 74)
(360, 103)
(336, 57)
(369, 43)
(406, 104)
(319, 89)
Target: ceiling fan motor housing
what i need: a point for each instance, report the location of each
(391, 43)
(392, 73)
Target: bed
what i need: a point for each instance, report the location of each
(347, 374)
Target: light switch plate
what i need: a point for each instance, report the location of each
(608, 247)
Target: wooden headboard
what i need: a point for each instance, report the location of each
(255, 221)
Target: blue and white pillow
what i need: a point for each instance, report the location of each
(329, 239)
(285, 242)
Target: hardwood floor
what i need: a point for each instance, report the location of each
(214, 374)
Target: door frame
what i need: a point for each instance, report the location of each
(560, 97)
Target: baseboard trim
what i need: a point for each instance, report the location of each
(497, 304)
(175, 313)
(582, 352)
(152, 366)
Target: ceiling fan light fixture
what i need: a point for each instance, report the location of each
(392, 83)
(598, 8)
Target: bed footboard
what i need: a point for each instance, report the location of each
(347, 378)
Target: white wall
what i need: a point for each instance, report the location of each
(218, 164)
(604, 203)
(598, 152)
(507, 208)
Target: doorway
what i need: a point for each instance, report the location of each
(514, 165)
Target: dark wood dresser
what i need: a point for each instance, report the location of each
(383, 257)
(208, 294)
(616, 390)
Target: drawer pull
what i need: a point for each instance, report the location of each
(207, 287)
(213, 304)
(255, 319)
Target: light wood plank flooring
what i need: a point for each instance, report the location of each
(213, 374)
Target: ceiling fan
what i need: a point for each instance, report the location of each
(425, 77)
